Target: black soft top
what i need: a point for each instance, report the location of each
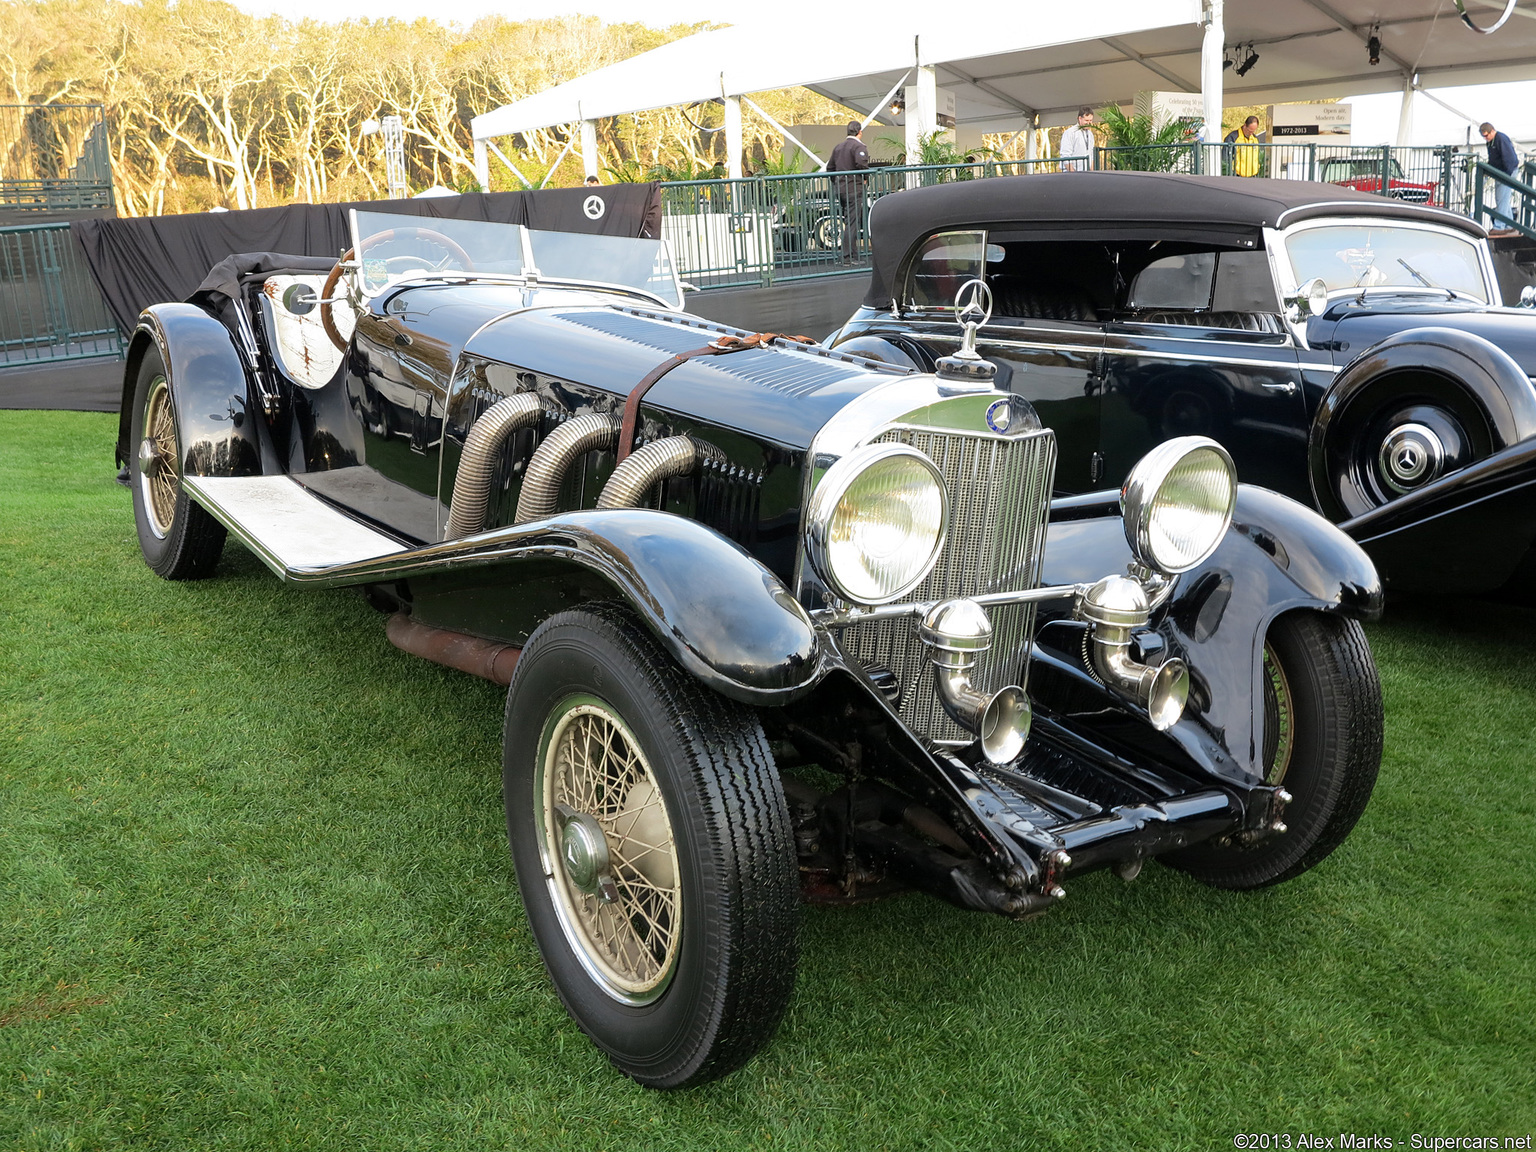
(1223, 210)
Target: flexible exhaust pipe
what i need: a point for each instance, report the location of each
(957, 632)
(646, 467)
(552, 459)
(477, 464)
(1115, 606)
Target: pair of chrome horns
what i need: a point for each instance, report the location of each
(1115, 607)
(957, 632)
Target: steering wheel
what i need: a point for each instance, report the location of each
(430, 235)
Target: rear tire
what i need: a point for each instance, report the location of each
(653, 850)
(1322, 741)
(179, 539)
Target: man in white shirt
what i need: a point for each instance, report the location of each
(1078, 144)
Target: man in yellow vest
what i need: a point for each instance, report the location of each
(1242, 148)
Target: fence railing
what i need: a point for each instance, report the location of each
(758, 231)
(1503, 202)
(54, 157)
(50, 308)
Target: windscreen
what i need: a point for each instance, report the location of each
(627, 261)
(393, 247)
(1386, 256)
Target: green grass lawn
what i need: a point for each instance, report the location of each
(255, 893)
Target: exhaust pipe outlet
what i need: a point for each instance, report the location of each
(646, 467)
(957, 632)
(1115, 606)
(477, 465)
(552, 459)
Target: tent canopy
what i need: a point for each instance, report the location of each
(1049, 59)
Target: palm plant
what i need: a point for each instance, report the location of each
(1136, 145)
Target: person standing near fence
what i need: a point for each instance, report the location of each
(1243, 150)
(850, 157)
(1079, 144)
(1501, 155)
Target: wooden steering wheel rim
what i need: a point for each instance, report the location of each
(326, 298)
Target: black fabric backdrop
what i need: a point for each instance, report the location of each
(151, 259)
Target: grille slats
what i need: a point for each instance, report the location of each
(999, 490)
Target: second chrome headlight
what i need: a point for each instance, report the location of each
(1178, 502)
(877, 523)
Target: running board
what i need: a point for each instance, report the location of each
(295, 533)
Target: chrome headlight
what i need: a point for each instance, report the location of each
(1178, 503)
(877, 523)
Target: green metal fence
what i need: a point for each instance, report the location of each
(50, 308)
(759, 231)
(54, 157)
(1502, 201)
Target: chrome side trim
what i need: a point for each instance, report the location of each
(1147, 352)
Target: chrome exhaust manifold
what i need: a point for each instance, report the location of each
(957, 632)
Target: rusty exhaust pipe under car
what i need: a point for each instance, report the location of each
(488, 659)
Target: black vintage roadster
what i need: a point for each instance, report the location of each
(773, 619)
(1348, 350)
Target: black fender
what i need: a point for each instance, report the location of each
(1278, 556)
(1464, 533)
(724, 617)
(217, 423)
(1460, 364)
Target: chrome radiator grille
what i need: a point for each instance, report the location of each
(999, 494)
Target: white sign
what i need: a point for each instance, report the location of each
(594, 207)
(1309, 123)
(1165, 106)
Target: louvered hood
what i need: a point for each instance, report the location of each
(777, 395)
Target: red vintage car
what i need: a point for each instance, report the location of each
(1363, 173)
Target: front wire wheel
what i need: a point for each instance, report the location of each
(653, 849)
(178, 537)
(1322, 740)
(608, 850)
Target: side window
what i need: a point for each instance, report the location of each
(1175, 282)
(942, 264)
(1244, 284)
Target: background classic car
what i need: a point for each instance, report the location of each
(1348, 350)
(697, 557)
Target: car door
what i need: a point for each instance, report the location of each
(1201, 350)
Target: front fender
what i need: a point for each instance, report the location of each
(215, 419)
(1278, 556)
(725, 618)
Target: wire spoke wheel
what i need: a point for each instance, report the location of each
(158, 455)
(1279, 719)
(653, 849)
(609, 850)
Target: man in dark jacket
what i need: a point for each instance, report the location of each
(1501, 155)
(850, 156)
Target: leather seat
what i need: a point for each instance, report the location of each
(1010, 298)
(1264, 322)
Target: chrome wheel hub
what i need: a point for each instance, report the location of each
(584, 853)
(1411, 456)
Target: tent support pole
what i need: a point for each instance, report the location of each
(1212, 54)
(500, 155)
(735, 143)
(482, 167)
(589, 155)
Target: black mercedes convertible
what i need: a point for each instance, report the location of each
(774, 620)
(1349, 350)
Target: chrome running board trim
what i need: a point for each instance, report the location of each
(293, 532)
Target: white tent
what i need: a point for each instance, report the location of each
(1007, 66)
